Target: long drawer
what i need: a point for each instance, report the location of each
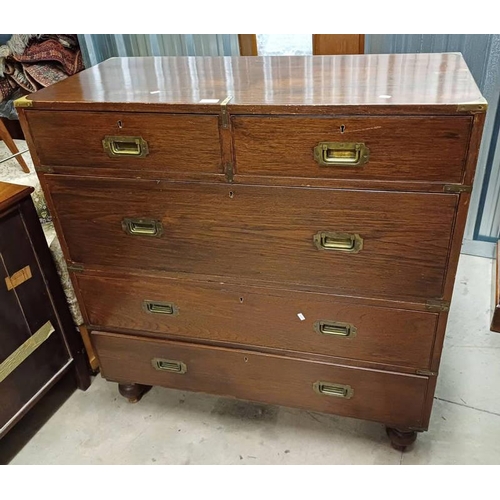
(382, 244)
(386, 147)
(127, 141)
(280, 319)
(392, 398)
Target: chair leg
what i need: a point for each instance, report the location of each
(5, 136)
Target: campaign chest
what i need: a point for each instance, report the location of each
(277, 229)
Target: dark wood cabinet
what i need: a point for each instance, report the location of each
(38, 341)
(279, 229)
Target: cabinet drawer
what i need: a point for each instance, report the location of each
(281, 319)
(373, 395)
(132, 141)
(274, 234)
(390, 148)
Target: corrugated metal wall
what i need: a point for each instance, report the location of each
(482, 53)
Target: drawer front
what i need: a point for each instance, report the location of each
(132, 141)
(373, 395)
(280, 319)
(398, 148)
(288, 235)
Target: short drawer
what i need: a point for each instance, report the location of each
(367, 148)
(127, 141)
(361, 243)
(274, 318)
(386, 397)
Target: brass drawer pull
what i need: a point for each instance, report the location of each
(335, 328)
(341, 154)
(340, 242)
(331, 389)
(168, 365)
(160, 307)
(142, 227)
(125, 146)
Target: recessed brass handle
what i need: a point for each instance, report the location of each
(169, 365)
(332, 389)
(335, 328)
(340, 242)
(341, 154)
(125, 146)
(142, 227)
(154, 307)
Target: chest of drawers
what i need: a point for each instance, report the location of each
(283, 230)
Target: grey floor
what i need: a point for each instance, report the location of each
(173, 427)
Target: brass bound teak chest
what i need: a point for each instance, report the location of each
(277, 229)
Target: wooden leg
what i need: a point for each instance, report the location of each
(401, 439)
(5, 136)
(133, 392)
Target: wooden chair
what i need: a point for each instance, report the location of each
(6, 137)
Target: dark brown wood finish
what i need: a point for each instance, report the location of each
(215, 312)
(25, 308)
(236, 255)
(359, 84)
(176, 143)
(262, 233)
(383, 396)
(401, 148)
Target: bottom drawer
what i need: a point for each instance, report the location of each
(387, 397)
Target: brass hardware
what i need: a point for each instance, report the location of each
(340, 242)
(9, 364)
(168, 365)
(18, 277)
(331, 389)
(23, 102)
(75, 267)
(117, 145)
(437, 305)
(341, 154)
(46, 170)
(224, 116)
(154, 307)
(335, 328)
(427, 373)
(142, 227)
(457, 188)
(473, 107)
(229, 171)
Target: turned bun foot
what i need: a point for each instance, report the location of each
(401, 439)
(133, 392)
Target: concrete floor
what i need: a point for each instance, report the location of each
(173, 427)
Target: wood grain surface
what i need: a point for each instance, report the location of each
(401, 148)
(274, 318)
(176, 143)
(393, 398)
(263, 233)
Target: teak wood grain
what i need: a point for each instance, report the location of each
(383, 396)
(359, 84)
(261, 232)
(259, 317)
(401, 148)
(176, 143)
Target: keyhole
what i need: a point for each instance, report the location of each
(241, 300)
(342, 129)
(245, 359)
(231, 194)
(119, 123)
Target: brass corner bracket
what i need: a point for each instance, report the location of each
(473, 107)
(223, 111)
(437, 305)
(457, 188)
(23, 102)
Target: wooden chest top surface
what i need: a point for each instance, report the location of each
(380, 83)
